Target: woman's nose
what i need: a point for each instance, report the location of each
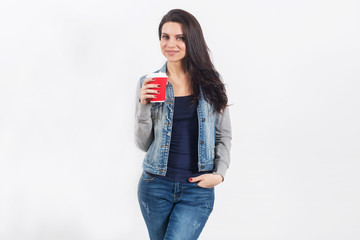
(172, 42)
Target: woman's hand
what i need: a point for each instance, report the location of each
(207, 180)
(146, 93)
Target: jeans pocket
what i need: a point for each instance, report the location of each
(146, 177)
(206, 188)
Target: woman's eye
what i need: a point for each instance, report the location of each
(165, 37)
(180, 38)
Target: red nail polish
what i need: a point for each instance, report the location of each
(190, 179)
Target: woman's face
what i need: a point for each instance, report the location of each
(172, 42)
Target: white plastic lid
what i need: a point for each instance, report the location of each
(156, 75)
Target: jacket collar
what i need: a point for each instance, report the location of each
(163, 68)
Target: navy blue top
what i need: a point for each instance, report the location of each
(183, 152)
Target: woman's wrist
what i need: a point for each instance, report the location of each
(221, 178)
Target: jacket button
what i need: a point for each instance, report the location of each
(202, 142)
(203, 119)
(202, 167)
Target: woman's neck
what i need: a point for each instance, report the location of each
(179, 79)
(175, 69)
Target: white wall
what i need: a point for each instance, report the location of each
(68, 71)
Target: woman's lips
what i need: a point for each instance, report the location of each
(172, 52)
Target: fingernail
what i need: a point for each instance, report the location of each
(158, 91)
(190, 179)
(158, 85)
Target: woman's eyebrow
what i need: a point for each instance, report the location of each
(177, 35)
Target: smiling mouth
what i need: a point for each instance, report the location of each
(172, 52)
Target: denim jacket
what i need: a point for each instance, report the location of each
(153, 127)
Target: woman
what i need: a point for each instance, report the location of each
(187, 138)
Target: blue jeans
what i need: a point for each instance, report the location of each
(173, 210)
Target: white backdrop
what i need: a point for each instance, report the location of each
(68, 71)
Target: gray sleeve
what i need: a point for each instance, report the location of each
(222, 142)
(144, 133)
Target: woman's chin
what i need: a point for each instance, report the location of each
(173, 59)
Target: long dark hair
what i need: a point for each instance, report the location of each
(197, 63)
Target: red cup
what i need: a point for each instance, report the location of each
(160, 79)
